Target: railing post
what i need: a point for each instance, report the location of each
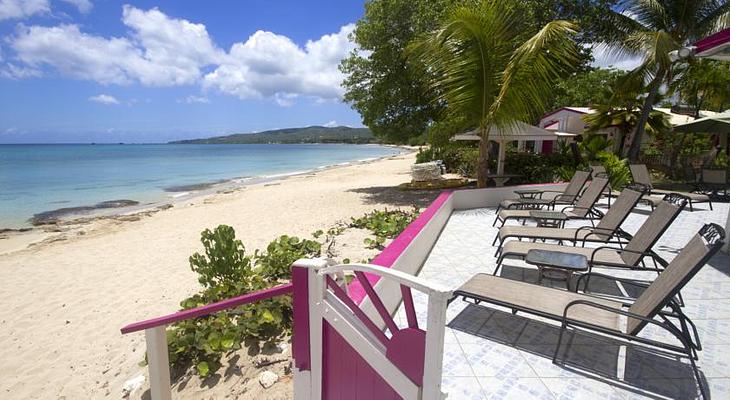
(433, 359)
(158, 363)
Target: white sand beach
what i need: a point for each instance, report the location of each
(64, 300)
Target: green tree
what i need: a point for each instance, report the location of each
(391, 95)
(653, 29)
(585, 88)
(488, 69)
(704, 84)
(625, 119)
(387, 91)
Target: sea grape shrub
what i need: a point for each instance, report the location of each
(225, 271)
(386, 224)
(225, 261)
(275, 263)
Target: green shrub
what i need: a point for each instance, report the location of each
(616, 168)
(385, 224)
(225, 271)
(538, 168)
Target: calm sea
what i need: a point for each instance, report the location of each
(39, 178)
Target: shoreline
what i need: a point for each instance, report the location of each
(61, 332)
(26, 237)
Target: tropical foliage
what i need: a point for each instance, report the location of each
(386, 224)
(653, 30)
(391, 94)
(226, 270)
(488, 70)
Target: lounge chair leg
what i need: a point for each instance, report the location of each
(494, 242)
(560, 342)
(499, 264)
(703, 392)
(710, 202)
(691, 209)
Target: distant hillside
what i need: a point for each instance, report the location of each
(311, 134)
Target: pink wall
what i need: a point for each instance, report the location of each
(346, 375)
(391, 253)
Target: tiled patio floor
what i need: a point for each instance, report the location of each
(492, 354)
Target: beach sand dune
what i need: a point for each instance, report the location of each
(64, 302)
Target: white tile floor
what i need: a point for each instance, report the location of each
(491, 354)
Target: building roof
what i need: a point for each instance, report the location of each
(674, 118)
(521, 131)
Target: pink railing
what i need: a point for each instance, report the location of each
(158, 360)
(209, 309)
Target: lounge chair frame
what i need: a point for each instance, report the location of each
(591, 212)
(594, 233)
(659, 263)
(560, 199)
(673, 320)
(640, 174)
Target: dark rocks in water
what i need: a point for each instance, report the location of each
(53, 216)
(9, 230)
(193, 187)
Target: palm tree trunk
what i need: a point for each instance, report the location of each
(483, 160)
(635, 147)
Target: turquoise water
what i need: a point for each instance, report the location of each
(39, 178)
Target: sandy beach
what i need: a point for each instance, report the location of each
(65, 299)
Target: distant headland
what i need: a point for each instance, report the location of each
(310, 134)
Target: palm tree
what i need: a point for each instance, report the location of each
(488, 69)
(625, 120)
(652, 29)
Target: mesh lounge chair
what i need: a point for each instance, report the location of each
(566, 198)
(583, 209)
(607, 230)
(639, 246)
(599, 171)
(586, 312)
(641, 175)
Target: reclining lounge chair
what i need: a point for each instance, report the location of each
(583, 209)
(639, 247)
(641, 175)
(582, 311)
(566, 198)
(607, 230)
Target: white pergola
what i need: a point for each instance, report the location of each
(519, 132)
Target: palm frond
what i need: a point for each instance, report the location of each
(534, 66)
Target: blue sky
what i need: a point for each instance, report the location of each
(79, 71)
(144, 71)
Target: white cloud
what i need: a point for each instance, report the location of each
(331, 124)
(84, 6)
(605, 58)
(164, 51)
(16, 9)
(192, 99)
(104, 99)
(12, 71)
(272, 66)
(161, 52)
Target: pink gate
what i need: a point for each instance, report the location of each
(340, 352)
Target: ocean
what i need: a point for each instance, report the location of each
(41, 178)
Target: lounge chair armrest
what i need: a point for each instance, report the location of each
(619, 250)
(673, 330)
(593, 230)
(632, 282)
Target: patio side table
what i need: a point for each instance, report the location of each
(529, 193)
(557, 265)
(549, 219)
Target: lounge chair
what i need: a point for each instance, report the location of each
(583, 209)
(639, 247)
(566, 197)
(587, 312)
(713, 182)
(641, 175)
(607, 230)
(599, 171)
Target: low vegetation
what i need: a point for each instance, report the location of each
(226, 269)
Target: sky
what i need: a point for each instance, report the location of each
(84, 71)
(80, 71)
